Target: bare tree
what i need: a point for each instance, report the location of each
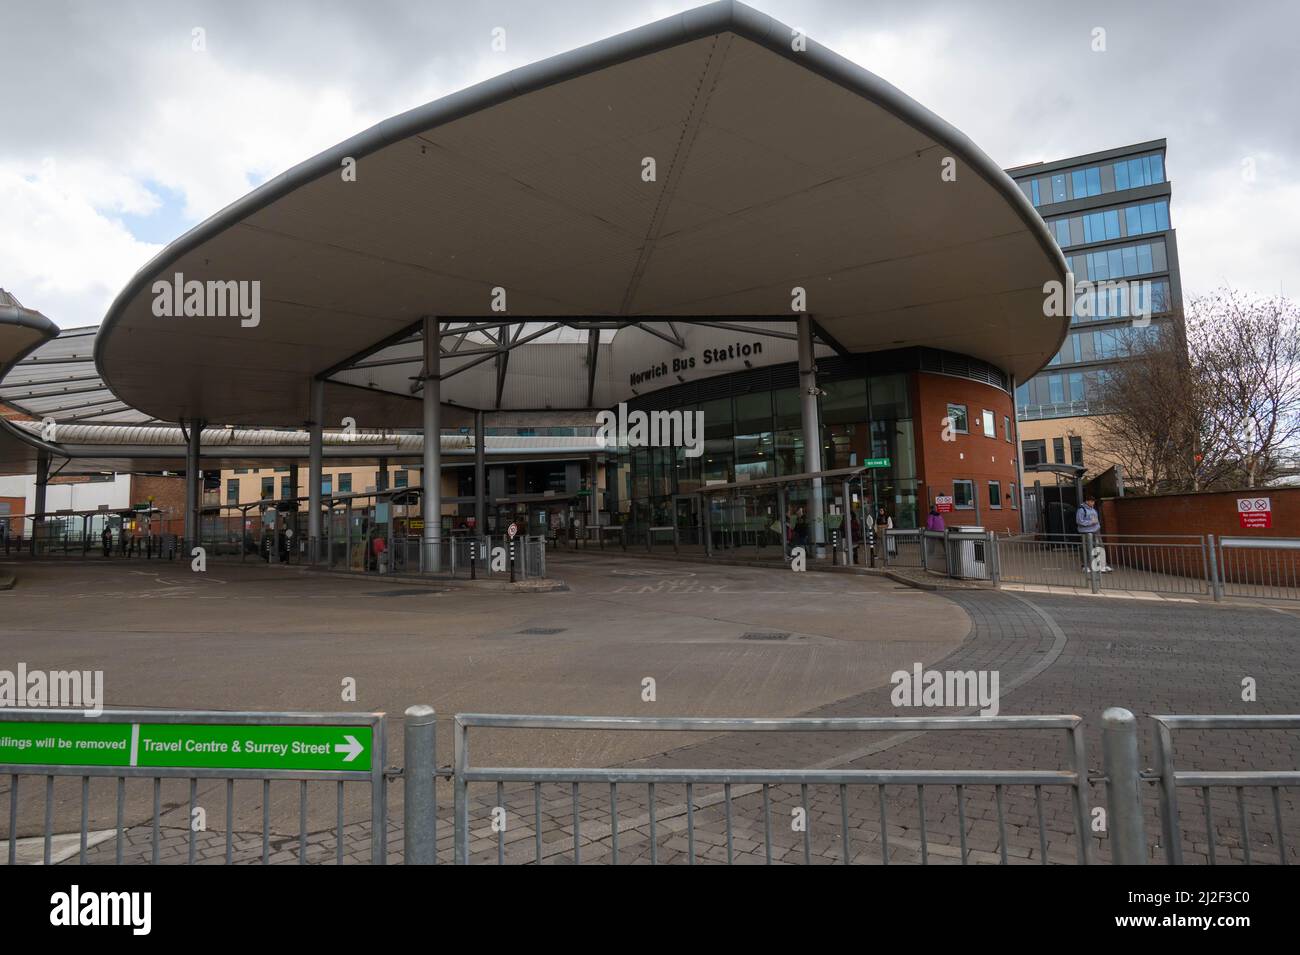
(1247, 353)
(1149, 415)
(1212, 402)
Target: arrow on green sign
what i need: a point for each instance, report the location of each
(876, 463)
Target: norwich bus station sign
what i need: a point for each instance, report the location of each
(292, 747)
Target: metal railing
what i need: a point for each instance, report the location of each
(1046, 562)
(904, 548)
(460, 556)
(730, 785)
(733, 804)
(1265, 567)
(1170, 780)
(122, 758)
(1185, 564)
(1158, 563)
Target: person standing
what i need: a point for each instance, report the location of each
(934, 520)
(1087, 522)
(106, 539)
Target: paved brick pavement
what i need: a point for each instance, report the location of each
(1054, 654)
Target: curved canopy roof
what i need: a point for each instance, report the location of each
(58, 381)
(22, 331)
(94, 448)
(777, 164)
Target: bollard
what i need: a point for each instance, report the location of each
(512, 560)
(1119, 747)
(473, 561)
(420, 812)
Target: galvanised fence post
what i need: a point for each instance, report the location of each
(420, 812)
(1089, 562)
(1216, 585)
(1119, 747)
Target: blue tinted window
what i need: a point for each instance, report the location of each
(1115, 263)
(1127, 261)
(1079, 184)
(1144, 258)
(1055, 388)
(1063, 232)
(1094, 181)
(1112, 224)
(1121, 175)
(1058, 188)
(1156, 166)
(1137, 173)
(1076, 386)
(1149, 217)
(1033, 185)
(1162, 215)
(1133, 220)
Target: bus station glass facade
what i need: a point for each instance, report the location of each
(755, 433)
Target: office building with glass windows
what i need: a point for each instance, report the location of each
(1109, 213)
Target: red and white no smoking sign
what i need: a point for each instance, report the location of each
(1255, 512)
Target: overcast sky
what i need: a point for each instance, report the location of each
(116, 136)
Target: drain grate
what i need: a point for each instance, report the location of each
(765, 635)
(543, 631)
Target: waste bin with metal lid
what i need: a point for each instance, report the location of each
(969, 554)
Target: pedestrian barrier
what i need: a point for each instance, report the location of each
(904, 548)
(128, 746)
(462, 556)
(599, 807)
(1184, 564)
(1171, 780)
(1074, 779)
(1267, 567)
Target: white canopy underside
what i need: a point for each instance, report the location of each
(771, 173)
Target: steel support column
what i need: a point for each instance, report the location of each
(431, 500)
(38, 504)
(193, 486)
(812, 442)
(480, 475)
(315, 470)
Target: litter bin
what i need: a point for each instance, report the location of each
(970, 554)
(382, 562)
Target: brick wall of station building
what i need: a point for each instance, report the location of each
(17, 505)
(168, 494)
(973, 456)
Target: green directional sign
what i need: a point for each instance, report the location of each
(188, 745)
(876, 463)
(255, 747)
(66, 744)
